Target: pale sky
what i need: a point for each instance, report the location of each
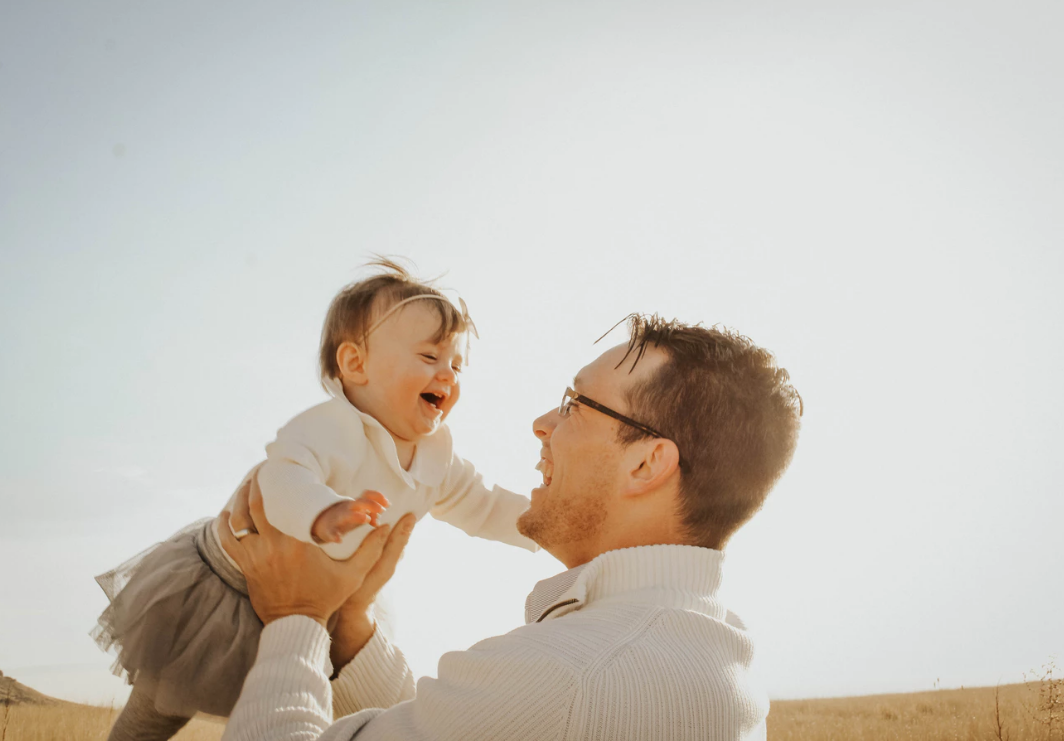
(873, 191)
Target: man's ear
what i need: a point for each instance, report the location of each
(655, 462)
(351, 360)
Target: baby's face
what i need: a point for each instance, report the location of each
(412, 381)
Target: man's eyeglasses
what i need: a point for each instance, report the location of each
(571, 396)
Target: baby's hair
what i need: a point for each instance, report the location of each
(354, 308)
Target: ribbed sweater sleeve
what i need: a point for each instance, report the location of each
(501, 688)
(378, 677)
(286, 694)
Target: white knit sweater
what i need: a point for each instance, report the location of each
(633, 645)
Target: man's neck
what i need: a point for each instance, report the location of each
(624, 538)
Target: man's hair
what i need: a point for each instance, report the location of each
(731, 411)
(358, 304)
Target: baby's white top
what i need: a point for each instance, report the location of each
(333, 452)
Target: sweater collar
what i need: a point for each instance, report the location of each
(680, 576)
(431, 457)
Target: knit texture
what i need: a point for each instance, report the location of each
(636, 646)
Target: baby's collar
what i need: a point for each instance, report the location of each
(433, 453)
(334, 388)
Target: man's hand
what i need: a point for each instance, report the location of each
(289, 577)
(338, 520)
(355, 627)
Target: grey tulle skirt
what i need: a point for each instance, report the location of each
(182, 624)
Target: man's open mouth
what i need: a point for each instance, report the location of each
(546, 468)
(435, 399)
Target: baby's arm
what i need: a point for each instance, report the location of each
(343, 517)
(482, 512)
(321, 445)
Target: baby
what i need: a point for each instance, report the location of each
(391, 354)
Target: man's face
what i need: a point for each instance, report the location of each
(582, 461)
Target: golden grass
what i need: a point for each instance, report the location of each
(943, 715)
(72, 722)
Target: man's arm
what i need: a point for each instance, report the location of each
(504, 687)
(286, 695)
(377, 677)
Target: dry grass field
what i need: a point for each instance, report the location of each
(27, 715)
(1030, 712)
(68, 721)
(943, 715)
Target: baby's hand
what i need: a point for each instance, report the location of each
(343, 517)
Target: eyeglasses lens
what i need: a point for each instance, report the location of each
(563, 408)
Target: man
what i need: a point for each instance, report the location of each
(661, 450)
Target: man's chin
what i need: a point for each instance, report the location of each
(527, 525)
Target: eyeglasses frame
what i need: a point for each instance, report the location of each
(570, 394)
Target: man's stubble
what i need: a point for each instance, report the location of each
(567, 521)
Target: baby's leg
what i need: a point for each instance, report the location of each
(140, 721)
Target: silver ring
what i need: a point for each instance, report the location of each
(238, 534)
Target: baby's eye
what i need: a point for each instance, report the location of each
(429, 357)
(456, 368)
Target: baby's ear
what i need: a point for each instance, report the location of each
(351, 360)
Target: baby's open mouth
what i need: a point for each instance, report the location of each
(435, 399)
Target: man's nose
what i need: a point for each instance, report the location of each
(544, 425)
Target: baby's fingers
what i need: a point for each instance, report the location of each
(337, 521)
(369, 509)
(375, 499)
(347, 519)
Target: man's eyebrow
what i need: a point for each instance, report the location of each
(576, 381)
